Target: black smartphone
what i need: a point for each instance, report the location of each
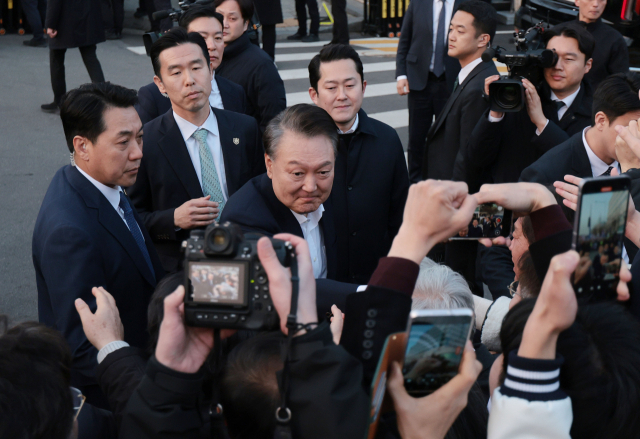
(598, 233)
(489, 221)
(434, 348)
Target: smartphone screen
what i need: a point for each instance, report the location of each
(434, 351)
(489, 221)
(598, 238)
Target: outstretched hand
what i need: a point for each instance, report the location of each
(104, 326)
(432, 416)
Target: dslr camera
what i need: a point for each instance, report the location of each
(527, 61)
(225, 284)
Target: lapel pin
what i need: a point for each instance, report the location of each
(236, 141)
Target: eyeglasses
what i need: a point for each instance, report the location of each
(513, 289)
(78, 401)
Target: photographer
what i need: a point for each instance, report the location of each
(506, 143)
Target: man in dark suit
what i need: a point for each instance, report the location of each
(506, 143)
(371, 182)
(87, 234)
(293, 196)
(225, 95)
(196, 156)
(424, 70)
(473, 27)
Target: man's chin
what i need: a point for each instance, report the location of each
(303, 209)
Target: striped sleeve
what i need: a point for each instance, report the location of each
(533, 379)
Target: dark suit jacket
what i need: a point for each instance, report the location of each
(152, 104)
(255, 208)
(167, 179)
(80, 242)
(507, 147)
(448, 137)
(369, 192)
(415, 47)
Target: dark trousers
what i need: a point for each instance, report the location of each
(340, 23)
(56, 64)
(114, 18)
(423, 106)
(301, 12)
(495, 268)
(34, 12)
(269, 39)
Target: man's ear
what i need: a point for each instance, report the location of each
(313, 94)
(80, 148)
(269, 164)
(483, 41)
(601, 120)
(246, 25)
(364, 86)
(159, 84)
(587, 65)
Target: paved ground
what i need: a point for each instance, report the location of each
(32, 146)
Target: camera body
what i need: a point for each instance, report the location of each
(225, 284)
(528, 61)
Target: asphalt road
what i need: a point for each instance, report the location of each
(32, 145)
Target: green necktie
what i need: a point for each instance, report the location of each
(210, 182)
(455, 84)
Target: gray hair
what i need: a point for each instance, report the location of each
(307, 120)
(439, 287)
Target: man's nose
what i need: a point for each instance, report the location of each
(309, 184)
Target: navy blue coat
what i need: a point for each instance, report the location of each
(167, 179)
(255, 208)
(80, 242)
(152, 104)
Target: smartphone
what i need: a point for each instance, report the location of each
(489, 221)
(598, 233)
(435, 343)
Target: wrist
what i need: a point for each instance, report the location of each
(543, 198)
(538, 339)
(541, 124)
(406, 245)
(496, 114)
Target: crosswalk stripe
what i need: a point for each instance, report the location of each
(373, 90)
(288, 74)
(356, 42)
(395, 119)
(140, 50)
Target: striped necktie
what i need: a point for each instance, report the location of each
(210, 182)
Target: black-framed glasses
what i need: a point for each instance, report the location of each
(78, 401)
(513, 289)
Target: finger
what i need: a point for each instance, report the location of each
(486, 242)
(623, 287)
(570, 205)
(300, 244)
(571, 188)
(337, 314)
(465, 212)
(110, 299)
(202, 223)
(573, 180)
(83, 310)
(101, 300)
(567, 195)
(395, 386)
(614, 172)
(269, 259)
(172, 314)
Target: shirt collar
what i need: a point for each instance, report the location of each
(353, 128)
(598, 167)
(187, 128)
(568, 100)
(464, 72)
(112, 194)
(214, 85)
(313, 218)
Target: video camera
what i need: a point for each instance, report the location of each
(528, 61)
(225, 284)
(150, 37)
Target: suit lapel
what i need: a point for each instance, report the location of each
(330, 238)
(172, 145)
(225, 93)
(281, 213)
(452, 99)
(580, 163)
(231, 152)
(112, 222)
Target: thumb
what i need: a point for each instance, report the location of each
(614, 172)
(172, 304)
(395, 385)
(268, 257)
(83, 309)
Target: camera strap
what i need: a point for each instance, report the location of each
(216, 420)
(283, 413)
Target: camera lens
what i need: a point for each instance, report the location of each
(220, 240)
(509, 96)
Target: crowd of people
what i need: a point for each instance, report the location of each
(211, 140)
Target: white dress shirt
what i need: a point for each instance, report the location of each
(310, 225)
(437, 7)
(213, 141)
(112, 194)
(215, 99)
(464, 72)
(353, 128)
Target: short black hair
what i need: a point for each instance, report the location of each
(305, 119)
(586, 42)
(199, 11)
(82, 109)
(485, 17)
(246, 7)
(172, 38)
(617, 95)
(35, 398)
(249, 390)
(333, 52)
